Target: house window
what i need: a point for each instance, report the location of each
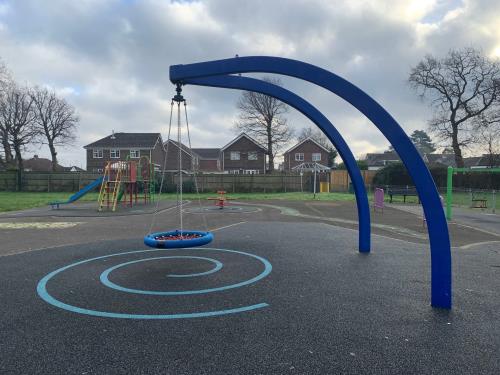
(97, 153)
(251, 171)
(135, 154)
(299, 156)
(316, 156)
(235, 155)
(252, 155)
(114, 153)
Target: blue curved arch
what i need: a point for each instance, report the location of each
(295, 101)
(436, 223)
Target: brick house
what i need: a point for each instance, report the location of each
(243, 155)
(305, 153)
(209, 159)
(120, 146)
(37, 164)
(172, 148)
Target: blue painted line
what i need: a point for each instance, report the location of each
(105, 275)
(105, 280)
(47, 297)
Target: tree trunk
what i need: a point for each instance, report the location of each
(19, 158)
(271, 163)
(459, 161)
(270, 155)
(53, 153)
(20, 166)
(7, 150)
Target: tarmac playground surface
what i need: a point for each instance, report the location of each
(281, 289)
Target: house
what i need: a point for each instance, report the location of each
(305, 156)
(37, 164)
(73, 168)
(243, 155)
(209, 159)
(378, 161)
(123, 146)
(188, 157)
(483, 161)
(440, 160)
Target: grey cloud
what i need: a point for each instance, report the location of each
(116, 54)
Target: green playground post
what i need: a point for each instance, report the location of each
(449, 190)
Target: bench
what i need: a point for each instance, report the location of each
(405, 192)
(479, 201)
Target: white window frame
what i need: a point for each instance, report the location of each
(235, 171)
(251, 171)
(135, 153)
(253, 155)
(299, 156)
(114, 151)
(234, 155)
(97, 153)
(316, 156)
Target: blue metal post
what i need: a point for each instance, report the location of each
(295, 101)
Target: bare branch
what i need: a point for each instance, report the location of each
(461, 87)
(55, 120)
(262, 117)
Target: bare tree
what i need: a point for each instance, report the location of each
(262, 117)
(55, 120)
(461, 86)
(318, 136)
(17, 120)
(488, 135)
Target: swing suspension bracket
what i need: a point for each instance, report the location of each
(178, 97)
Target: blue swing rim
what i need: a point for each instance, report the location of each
(206, 237)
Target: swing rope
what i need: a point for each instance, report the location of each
(179, 146)
(179, 204)
(194, 170)
(157, 206)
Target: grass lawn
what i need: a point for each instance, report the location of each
(459, 199)
(14, 201)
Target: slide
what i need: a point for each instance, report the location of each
(86, 189)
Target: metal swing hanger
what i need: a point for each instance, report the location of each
(179, 238)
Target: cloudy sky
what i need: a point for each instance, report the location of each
(110, 58)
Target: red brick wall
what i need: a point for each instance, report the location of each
(307, 148)
(243, 145)
(206, 165)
